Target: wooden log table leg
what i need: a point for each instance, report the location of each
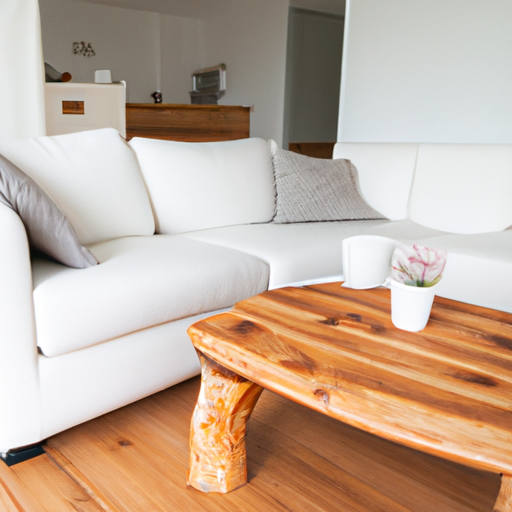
(217, 431)
(504, 501)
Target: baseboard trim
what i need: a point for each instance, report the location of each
(16, 456)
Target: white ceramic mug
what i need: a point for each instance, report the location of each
(103, 76)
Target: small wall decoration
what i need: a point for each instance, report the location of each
(84, 49)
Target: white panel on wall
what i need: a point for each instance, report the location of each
(22, 71)
(436, 71)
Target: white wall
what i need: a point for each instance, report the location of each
(436, 71)
(125, 41)
(150, 51)
(249, 36)
(160, 51)
(181, 53)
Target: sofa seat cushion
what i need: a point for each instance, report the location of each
(140, 282)
(203, 185)
(404, 231)
(478, 268)
(93, 177)
(296, 253)
(495, 247)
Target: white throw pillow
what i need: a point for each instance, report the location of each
(94, 179)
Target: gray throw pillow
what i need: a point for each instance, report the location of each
(48, 230)
(314, 189)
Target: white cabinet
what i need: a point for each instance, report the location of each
(77, 107)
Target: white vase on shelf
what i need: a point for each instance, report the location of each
(410, 305)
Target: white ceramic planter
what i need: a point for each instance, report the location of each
(410, 305)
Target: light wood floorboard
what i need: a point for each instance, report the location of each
(135, 459)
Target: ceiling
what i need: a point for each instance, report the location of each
(204, 9)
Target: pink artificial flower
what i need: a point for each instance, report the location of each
(417, 265)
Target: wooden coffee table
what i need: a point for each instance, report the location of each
(446, 390)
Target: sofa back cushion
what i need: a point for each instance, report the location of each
(94, 179)
(463, 188)
(386, 173)
(195, 186)
(48, 230)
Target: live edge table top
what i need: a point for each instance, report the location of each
(446, 390)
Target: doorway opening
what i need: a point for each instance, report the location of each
(313, 76)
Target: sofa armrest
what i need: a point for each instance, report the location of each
(19, 380)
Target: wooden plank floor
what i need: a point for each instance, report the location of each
(135, 459)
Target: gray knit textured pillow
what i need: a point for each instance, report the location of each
(48, 230)
(314, 189)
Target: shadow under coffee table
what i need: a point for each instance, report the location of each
(446, 390)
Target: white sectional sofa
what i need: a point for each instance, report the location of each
(456, 197)
(182, 230)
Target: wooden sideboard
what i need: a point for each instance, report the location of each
(188, 123)
(314, 149)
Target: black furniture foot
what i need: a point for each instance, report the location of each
(22, 454)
